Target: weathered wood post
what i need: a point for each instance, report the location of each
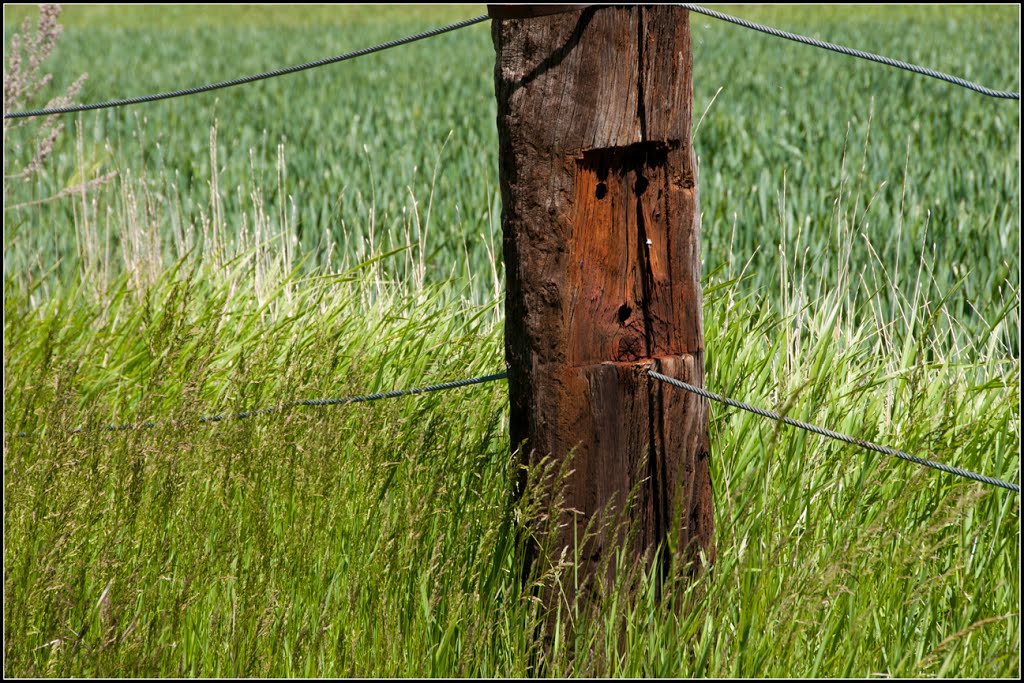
(602, 260)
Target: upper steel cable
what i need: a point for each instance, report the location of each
(834, 435)
(249, 79)
(468, 22)
(888, 61)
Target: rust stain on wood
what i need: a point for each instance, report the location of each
(622, 304)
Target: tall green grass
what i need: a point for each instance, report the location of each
(376, 540)
(379, 539)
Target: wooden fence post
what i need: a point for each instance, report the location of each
(602, 260)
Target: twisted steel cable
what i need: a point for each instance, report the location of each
(401, 392)
(316, 402)
(834, 435)
(468, 22)
(250, 79)
(888, 61)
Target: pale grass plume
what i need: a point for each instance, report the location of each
(23, 81)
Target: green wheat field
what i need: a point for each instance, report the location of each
(337, 232)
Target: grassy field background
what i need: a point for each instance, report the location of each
(338, 231)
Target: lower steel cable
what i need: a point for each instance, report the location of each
(834, 435)
(312, 402)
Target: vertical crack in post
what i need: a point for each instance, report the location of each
(642, 162)
(660, 452)
(643, 254)
(658, 445)
(641, 110)
(662, 504)
(658, 532)
(656, 466)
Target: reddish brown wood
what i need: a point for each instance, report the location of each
(602, 256)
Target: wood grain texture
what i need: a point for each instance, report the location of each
(602, 251)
